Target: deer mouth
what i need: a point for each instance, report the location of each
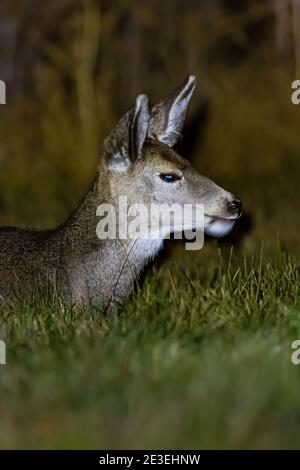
(217, 226)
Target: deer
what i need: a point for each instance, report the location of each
(139, 161)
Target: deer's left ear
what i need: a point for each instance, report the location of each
(167, 117)
(124, 144)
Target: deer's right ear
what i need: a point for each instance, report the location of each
(124, 145)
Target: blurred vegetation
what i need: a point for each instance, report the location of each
(73, 67)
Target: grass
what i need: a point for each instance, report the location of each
(199, 357)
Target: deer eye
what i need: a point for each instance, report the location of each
(170, 177)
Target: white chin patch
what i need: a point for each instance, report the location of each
(219, 227)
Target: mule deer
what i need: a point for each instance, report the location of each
(138, 161)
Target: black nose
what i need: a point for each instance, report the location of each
(235, 206)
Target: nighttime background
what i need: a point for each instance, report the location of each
(200, 355)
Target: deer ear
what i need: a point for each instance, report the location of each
(124, 144)
(167, 117)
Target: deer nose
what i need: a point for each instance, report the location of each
(235, 206)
